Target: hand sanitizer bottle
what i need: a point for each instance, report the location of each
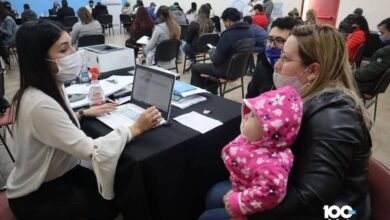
(84, 75)
(95, 95)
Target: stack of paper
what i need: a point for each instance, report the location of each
(198, 122)
(185, 95)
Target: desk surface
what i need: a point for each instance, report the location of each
(166, 172)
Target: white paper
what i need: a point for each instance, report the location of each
(198, 122)
(143, 40)
(188, 101)
(77, 89)
(193, 92)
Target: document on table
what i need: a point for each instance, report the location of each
(198, 122)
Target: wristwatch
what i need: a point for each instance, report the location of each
(81, 114)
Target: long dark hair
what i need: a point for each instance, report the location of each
(142, 22)
(33, 41)
(363, 24)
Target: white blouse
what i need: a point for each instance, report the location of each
(48, 145)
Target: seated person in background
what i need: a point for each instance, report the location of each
(368, 75)
(47, 175)
(87, 25)
(191, 14)
(65, 11)
(178, 6)
(8, 27)
(11, 12)
(260, 35)
(260, 18)
(178, 15)
(142, 26)
(259, 160)
(358, 37)
(126, 9)
(99, 10)
(333, 147)
(90, 6)
(167, 29)
(311, 17)
(151, 12)
(202, 25)
(53, 11)
(262, 79)
(236, 38)
(28, 14)
(346, 24)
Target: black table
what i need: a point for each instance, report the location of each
(166, 172)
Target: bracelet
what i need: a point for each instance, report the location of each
(81, 114)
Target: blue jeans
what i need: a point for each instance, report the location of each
(215, 208)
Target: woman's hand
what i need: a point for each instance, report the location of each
(148, 119)
(100, 110)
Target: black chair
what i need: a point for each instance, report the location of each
(380, 87)
(183, 31)
(89, 40)
(6, 116)
(238, 66)
(202, 48)
(106, 22)
(69, 21)
(357, 59)
(167, 50)
(125, 22)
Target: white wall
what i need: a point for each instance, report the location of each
(374, 10)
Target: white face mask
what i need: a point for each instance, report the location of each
(293, 81)
(68, 67)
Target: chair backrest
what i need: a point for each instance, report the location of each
(89, 40)
(167, 50)
(105, 19)
(379, 181)
(69, 21)
(210, 38)
(382, 83)
(238, 66)
(357, 59)
(125, 19)
(183, 31)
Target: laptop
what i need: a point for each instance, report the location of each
(151, 87)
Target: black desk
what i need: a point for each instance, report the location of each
(166, 172)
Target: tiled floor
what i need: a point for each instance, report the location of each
(380, 130)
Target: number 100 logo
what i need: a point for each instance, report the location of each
(335, 212)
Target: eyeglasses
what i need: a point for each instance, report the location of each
(278, 41)
(283, 59)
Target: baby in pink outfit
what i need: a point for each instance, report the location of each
(259, 160)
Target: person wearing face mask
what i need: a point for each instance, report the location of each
(262, 77)
(367, 76)
(50, 144)
(333, 147)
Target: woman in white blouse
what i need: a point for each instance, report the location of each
(47, 181)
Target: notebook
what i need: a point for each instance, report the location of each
(151, 87)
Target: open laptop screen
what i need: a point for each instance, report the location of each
(153, 87)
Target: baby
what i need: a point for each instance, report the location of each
(259, 160)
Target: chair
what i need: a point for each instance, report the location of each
(125, 22)
(167, 50)
(357, 59)
(183, 31)
(379, 181)
(202, 48)
(238, 66)
(106, 22)
(5, 121)
(69, 21)
(5, 211)
(89, 40)
(380, 87)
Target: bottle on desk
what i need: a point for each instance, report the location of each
(96, 94)
(83, 77)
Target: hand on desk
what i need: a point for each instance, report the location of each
(147, 120)
(100, 109)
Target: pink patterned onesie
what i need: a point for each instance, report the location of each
(259, 170)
